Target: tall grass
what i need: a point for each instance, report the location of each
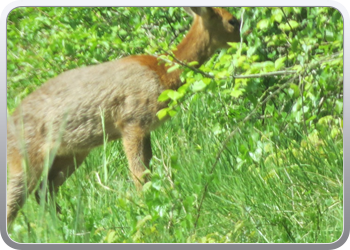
(267, 186)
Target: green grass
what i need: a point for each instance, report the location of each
(278, 179)
(269, 185)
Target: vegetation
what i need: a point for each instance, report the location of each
(253, 152)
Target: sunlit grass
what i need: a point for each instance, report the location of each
(266, 187)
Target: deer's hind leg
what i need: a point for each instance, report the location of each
(62, 167)
(23, 177)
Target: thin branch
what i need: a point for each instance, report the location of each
(275, 73)
(285, 16)
(302, 103)
(186, 65)
(269, 74)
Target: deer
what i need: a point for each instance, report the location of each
(60, 122)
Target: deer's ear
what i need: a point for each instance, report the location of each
(200, 11)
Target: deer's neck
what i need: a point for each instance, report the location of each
(196, 46)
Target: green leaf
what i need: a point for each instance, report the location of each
(236, 93)
(194, 63)
(294, 24)
(277, 16)
(198, 86)
(183, 89)
(251, 51)
(296, 90)
(263, 24)
(295, 44)
(171, 11)
(279, 63)
(110, 236)
(122, 32)
(311, 118)
(164, 96)
(268, 66)
(172, 112)
(146, 186)
(162, 113)
(174, 95)
(287, 26)
(173, 68)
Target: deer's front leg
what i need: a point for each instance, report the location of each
(137, 146)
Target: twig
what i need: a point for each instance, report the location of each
(186, 65)
(287, 20)
(99, 182)
(275, 73)
(302, 103)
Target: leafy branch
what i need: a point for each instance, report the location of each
(275, 73)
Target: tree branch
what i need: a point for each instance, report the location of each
(275, 73)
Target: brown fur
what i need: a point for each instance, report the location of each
(61, 121)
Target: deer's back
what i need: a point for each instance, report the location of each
(69, 107)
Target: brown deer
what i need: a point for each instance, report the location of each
(59, 123)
